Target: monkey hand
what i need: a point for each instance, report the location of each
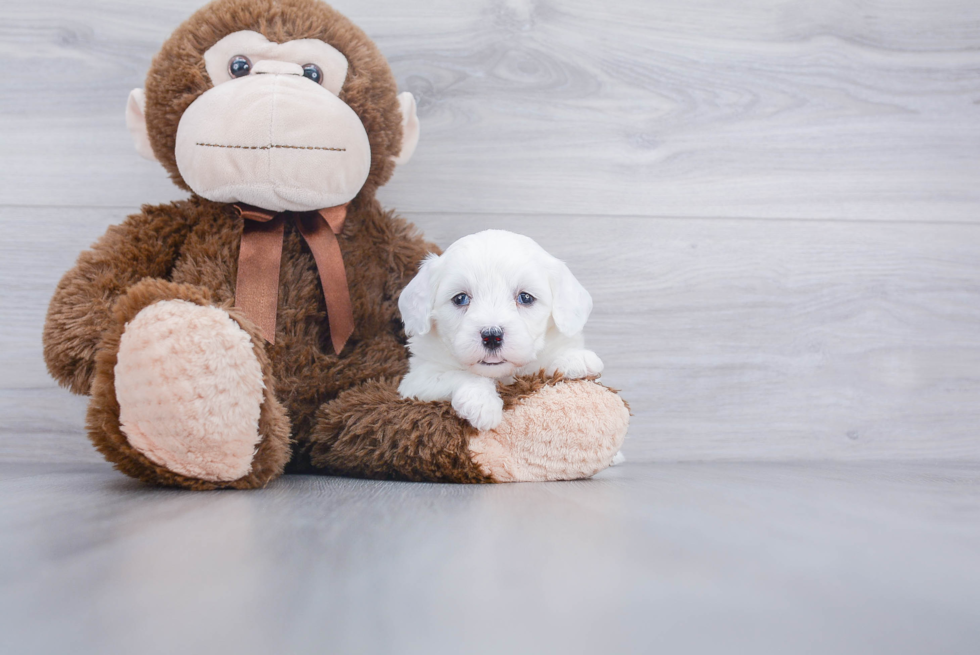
(565, 430)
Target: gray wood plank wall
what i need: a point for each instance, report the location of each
(774, 203)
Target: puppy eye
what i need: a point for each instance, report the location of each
(313, 72)
(461, 300)
(524, 298)
(239, 66)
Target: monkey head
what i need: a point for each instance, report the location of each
(282, 104)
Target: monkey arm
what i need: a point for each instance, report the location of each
(369, 431)
(552, 430)
(556, 430)
(145, 245)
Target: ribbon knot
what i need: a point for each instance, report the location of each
(257, 286)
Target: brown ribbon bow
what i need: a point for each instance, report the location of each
(257, 290)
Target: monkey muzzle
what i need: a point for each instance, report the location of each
(273, 139)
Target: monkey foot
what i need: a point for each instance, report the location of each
(190, 390)
(565, 431)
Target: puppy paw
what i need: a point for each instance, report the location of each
(481, 405)
(576, 364)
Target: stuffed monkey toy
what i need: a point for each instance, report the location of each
(253, 328)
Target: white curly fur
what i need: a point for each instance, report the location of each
(492, 269)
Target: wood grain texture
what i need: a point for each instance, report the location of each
(779, 109)
(731, 339)
(774, 204)
(674, 558)
(756, 339)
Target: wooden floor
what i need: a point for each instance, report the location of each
(776, 207)
(673, 558)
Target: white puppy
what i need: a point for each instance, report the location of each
(493, 306)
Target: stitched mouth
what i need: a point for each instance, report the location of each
(270, 147)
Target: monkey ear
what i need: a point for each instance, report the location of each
(572, 304)
(136, 122)
(415, 303)
(410, 127)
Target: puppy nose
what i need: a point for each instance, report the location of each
(493, 337)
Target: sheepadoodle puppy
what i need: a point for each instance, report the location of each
(493, 306)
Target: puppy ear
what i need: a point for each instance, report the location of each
(415, 303)
(572, 304)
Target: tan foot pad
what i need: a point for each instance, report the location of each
(190, 390)
(567, 431)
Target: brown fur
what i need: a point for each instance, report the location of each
(524, 386)
(342, 412)
(371, 431)
(177, 75)
(189, 250)
(381, 253)
(103, 411)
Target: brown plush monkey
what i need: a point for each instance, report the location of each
(253, 328)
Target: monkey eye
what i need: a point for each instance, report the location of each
(239, 66)
(524, 298)
(313, 72)
(461, 300)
